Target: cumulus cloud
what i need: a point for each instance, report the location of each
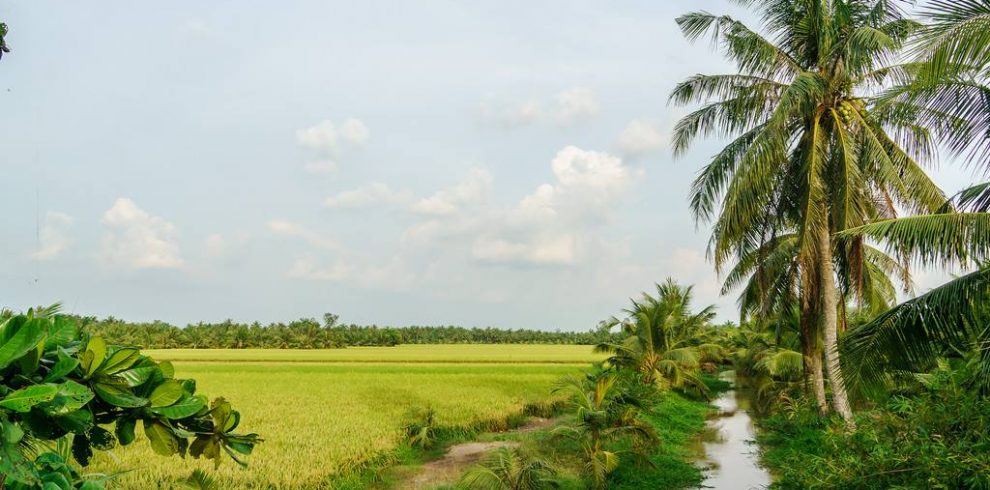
(288, 228)
(354, 132)
(389, 275)
(545, 227)
(138, 240)
(641, 136)
(472, 190)
(541, 249)
(565, 108)
(508, 115)
(369, 195)
(53, 238)
(326, 140)
(575, 105)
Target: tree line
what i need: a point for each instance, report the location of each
(310, 333)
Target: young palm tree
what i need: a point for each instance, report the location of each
(660, 331)
(605, 413)
(809, 153)
(509, 469)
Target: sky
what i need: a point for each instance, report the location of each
(485, 163)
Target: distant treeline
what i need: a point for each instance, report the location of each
(313, 334)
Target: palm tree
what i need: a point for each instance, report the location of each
(660, 333)
(605, 413)
(809, 152)
(509, 469)
(947, 91)
(769, 276)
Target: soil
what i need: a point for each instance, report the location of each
(460, 457)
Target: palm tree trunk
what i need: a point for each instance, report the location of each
(818, 383)
(830, 326)
(812, 356)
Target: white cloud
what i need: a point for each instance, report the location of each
(575, 105)
(545, 227)
(567, 107)
(321, 137)
(355, 132)
(326, 140)
(511, 114)
(369, 195)
(472, 190)
(541, 250)
(139, 240)
(53, 240)
(389, 275)
(641, 136)
(288, 228)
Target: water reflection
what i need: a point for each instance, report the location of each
(732, 456)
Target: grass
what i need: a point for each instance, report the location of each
(442, 353)
(338, 413)
(679, 422)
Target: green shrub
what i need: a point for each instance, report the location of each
(58, 389)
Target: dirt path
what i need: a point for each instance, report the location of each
(460, 457)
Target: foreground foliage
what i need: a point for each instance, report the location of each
(63, 390)
(934, 436)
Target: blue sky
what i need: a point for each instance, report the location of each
(480, 163)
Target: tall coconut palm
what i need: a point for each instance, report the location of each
(660, 333)
(948, 91)
(808, 152)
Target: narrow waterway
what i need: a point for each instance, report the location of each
(731, 456)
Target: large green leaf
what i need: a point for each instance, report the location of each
(94, 355)
(24, 399)
(71, 396)
(163, 442)
(19, 335)
(102, 439)
(166, 394)
(125, 430)
(120, 360)
(30, 361)
(137, 376)
(168, 370)
(81, 450)
(187, 406)
(65, 365)
(116, 395)
(61, 332)
(78, 422)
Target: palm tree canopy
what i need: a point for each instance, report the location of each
(807, 147)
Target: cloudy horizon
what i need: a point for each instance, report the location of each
(493, 164)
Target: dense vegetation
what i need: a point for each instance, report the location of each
(313, 334)
(834, 109)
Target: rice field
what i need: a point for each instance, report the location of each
(326, 413)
